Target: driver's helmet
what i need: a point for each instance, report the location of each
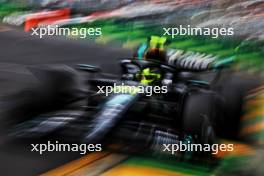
(149, 76)
(154, 49)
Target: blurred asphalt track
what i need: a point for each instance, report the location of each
(19, 50)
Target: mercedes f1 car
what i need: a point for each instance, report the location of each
(77, 104)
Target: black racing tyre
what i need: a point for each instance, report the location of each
(233, 87)
(198, 113)
(58, 87)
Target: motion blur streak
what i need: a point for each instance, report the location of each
(87, 165)
(77, 164)
(46, 17)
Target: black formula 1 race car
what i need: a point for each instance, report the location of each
(150, 104)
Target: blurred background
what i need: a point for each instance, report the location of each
(126, 24)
